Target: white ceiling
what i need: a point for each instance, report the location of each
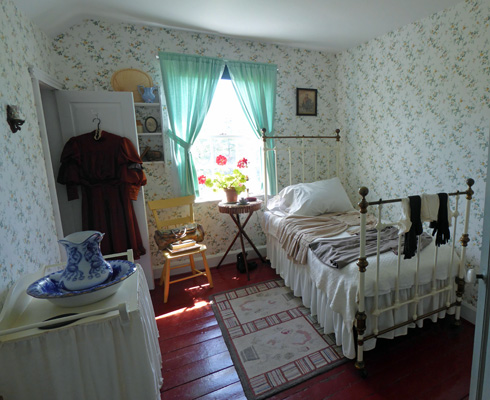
(329, 25)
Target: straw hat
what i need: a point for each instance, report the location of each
(127, 80)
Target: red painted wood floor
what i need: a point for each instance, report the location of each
(430, 363)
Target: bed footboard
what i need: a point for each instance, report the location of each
(449, 287)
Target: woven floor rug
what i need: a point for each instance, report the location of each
(273, 340)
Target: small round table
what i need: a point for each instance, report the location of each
(234, 211)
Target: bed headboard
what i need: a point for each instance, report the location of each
(304, 148)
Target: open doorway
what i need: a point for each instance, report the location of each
(64, 114)
(44, 87)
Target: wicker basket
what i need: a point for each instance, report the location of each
(127, 80)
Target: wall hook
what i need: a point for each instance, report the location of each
(13, 118)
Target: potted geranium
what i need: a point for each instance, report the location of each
(233, 184)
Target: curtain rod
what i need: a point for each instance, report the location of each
(225, 60)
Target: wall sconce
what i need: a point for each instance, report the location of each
(13, 118)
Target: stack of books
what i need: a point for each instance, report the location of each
(183, 245)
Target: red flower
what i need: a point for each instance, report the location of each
(243, 163)
(201, 179)
(221, 160)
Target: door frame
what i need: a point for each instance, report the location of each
(38, 78)
(41, 80)
(480, 373)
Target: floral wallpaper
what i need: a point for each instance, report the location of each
(26, 217)
(94, 50)
(414, 107)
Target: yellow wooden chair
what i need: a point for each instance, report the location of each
(156, 207)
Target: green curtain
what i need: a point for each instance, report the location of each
(255, 86)
(189, 83)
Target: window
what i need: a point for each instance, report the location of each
(227, 132)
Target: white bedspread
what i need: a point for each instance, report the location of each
(342, 285)
(332, 293)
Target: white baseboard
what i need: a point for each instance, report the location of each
(213, 261)
(468, 312)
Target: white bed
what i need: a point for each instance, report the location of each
(361, 301)
(332, 294)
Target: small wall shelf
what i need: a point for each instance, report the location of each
(150, 134)
(147, 104)
(150, 143)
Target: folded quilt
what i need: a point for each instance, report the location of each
(296, 233)
(339, 252)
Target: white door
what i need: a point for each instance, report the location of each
(77, 111)
(480, 371)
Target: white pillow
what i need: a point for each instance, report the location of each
(281, 201)
(311, 199)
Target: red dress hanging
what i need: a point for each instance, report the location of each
(109, 173)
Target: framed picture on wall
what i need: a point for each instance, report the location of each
(306, 101)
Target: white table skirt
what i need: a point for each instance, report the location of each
(99, 357)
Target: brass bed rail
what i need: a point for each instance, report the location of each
(381, 201)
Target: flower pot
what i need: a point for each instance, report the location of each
(231, 195)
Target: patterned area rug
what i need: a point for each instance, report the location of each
(273, 340)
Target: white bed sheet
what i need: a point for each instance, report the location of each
(331, 294)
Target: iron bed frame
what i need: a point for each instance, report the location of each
(362, 263)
